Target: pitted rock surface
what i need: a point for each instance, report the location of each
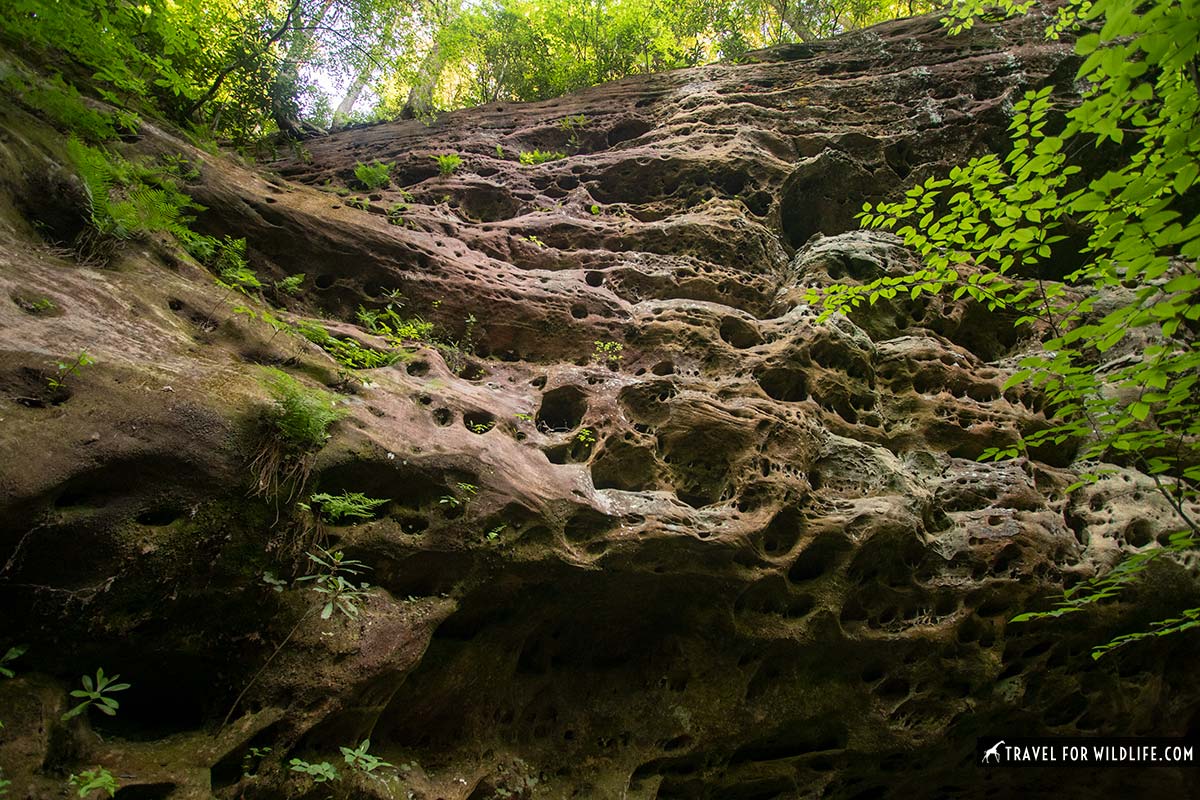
(771, 568)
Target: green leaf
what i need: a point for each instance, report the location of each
(1086, 44)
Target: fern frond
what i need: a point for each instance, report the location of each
(96, 174)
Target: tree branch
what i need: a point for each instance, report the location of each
(241, 62)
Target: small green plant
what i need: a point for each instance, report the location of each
(4, 784)
(395, 214)
(96, 693)
(585, 437)
(331, 582)
(337, 593)
(276, 584)
(65, 107)
(468, 337)
(447, 162)
(300, 417)
(297, 425)
(227, 258)
(539, 157)
(346, 351)
(373, 176)
(358, 758)
(91, 780)
(525, 417)
(495, 532)
(398, 330)
(482, 427)
(125, 200)
(66, 370)
(252, 758)
(11, 655)
(499, 151)
(239, 277)
(573, 125)
(39, 305)
(595, 209)
(359, 202)
(536, 240)
(320, 773)
(347, 505)
(290, 285)
(608, 352)
(466, 493)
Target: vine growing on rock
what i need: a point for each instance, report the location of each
(1119, 364)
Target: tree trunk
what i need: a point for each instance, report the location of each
(287, 77)
(791, 13)
(420, 96)
(364, 75)
(347, 105)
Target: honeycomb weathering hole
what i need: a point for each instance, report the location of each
(562, 409)
(740, 333)
(787, 384)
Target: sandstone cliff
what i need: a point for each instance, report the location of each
(742, 555)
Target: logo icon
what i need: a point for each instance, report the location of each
(994, 750)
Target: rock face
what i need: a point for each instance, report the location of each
(652, 530)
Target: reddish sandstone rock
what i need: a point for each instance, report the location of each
(747, 555)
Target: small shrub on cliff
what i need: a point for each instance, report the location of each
(447, 162)
(322, 772)
(94, 780)
(609, 353)
(344, 506)
(35, 306)
(97, 694)
(11, 655)
(346, 351)
(66, 369)
(291, 284)
(398, 330)
(300, 417)
(125, 200)
(373, 176)
(333, 582)
(462, 498)
(252, 759)
(395, 214)
(358, 758)
(297, 426)
(572, 126)
(539, 157)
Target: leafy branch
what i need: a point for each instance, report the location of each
(1122, 380)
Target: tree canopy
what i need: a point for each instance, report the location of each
(245, 69)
